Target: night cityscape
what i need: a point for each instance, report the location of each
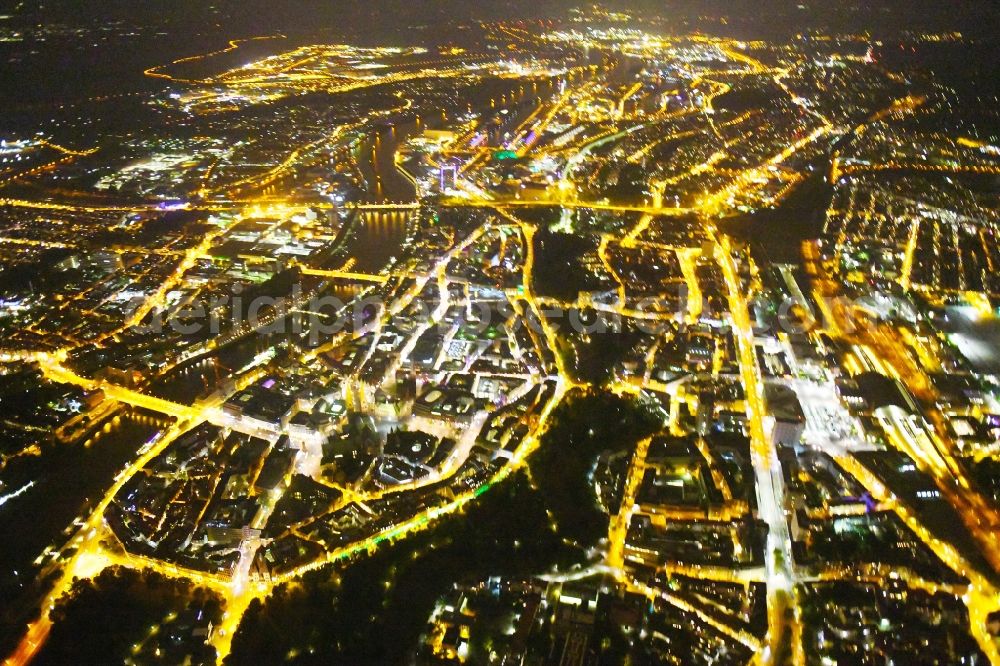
(512, 333)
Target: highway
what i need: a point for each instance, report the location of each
(771, 503)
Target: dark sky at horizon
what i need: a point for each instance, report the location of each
(393, 15)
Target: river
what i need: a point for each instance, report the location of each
(67, 479)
